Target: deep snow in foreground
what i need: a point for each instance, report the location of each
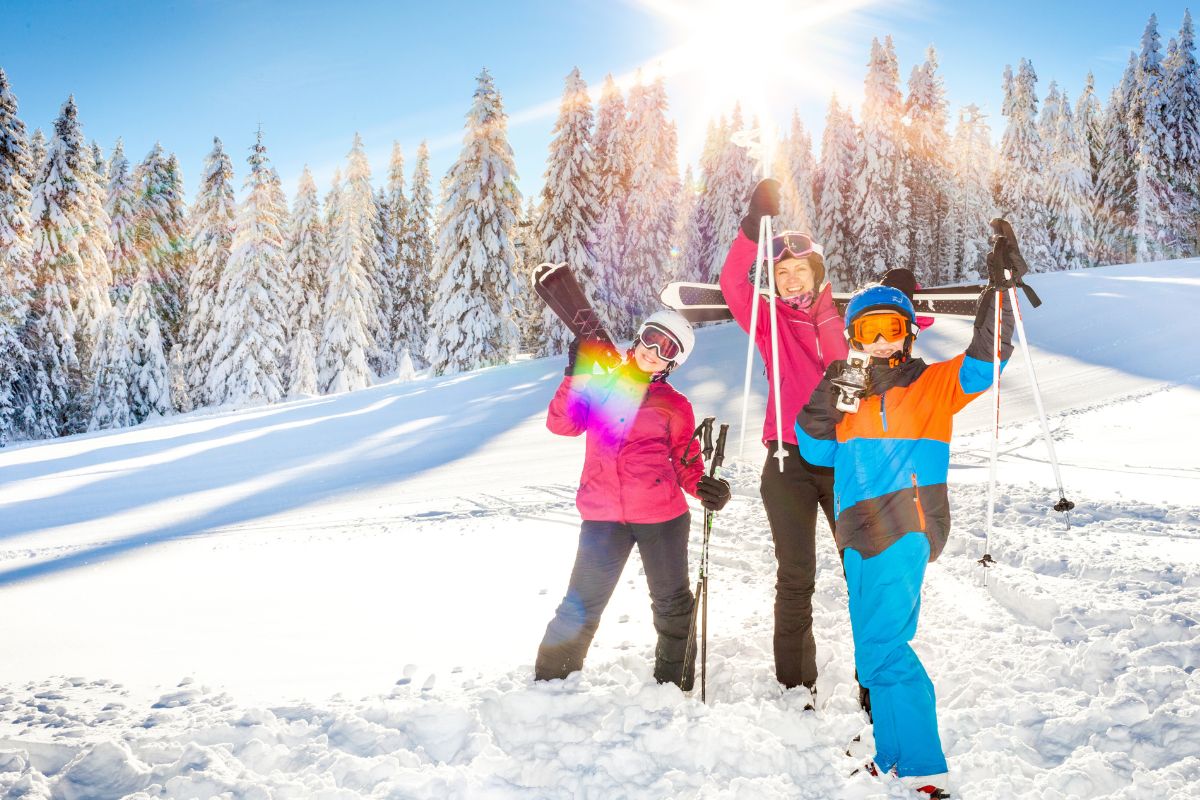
(342, 596)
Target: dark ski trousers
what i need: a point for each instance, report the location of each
(604, 547)
(791, 498)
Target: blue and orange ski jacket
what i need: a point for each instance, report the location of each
(890, 459)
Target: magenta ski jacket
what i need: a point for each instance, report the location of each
(808, 340)
(638, 435)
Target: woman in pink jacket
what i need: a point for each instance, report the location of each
(810, 336)
(640, 458)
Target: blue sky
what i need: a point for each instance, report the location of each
(313, 73)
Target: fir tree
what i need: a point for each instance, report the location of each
(1070, 192)
(416, 261)
(1089, 121)
(58, 212)
(251, 350)
(16, 264)
(37, 153)
(387, 278)
(111, 400)
(161, 237)
(403, 289)
(1116, 207)
(565, 230)
(471, 317)
(928, 174)
(121, 206)
(797, 171)
(971, 206)
(1020, 179)
(351, 305)
(650, 206)
(149, 378)
(1183, 124)
(834, 223)
(700, 243)
(1153, 239)
(612, 158)
(882, 209)
(729, 188)
(1048, 128)
(214, 218)
(307, 256)
(685, 235)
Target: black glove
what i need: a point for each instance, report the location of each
(713, 492)
(764, 202)
(572, 355)
(594, 352)
(902, 279)
(1005, 255)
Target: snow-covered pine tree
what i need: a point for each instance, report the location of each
(797, 171)
(1116, 207)
(729, 190)
(16, 265)
(1183, 122)
(526, 257)
(351, 307)
(699, 242)
(307, 258)
(59, 216)
(252, 350)
(971, 205)
(1070, 191)
(928, 173)
(472, 319)
(1048, 124)
(1153, 239)
(881, 207)
(110, 400)
(161, 236)
(565, 229)
(121, 206)
(149, 376)
(402, 289)
(214, 218)
(386, 279)
(37, 153)
(333, 201)
(835, 222)
(653, 189)
(1019, 179)
(416, 261)
(1089, 122)
(611, 150)
(685, 214)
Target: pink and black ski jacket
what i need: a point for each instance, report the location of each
(638, 434)
(808, 340)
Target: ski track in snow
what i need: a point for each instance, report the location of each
(1068, 670)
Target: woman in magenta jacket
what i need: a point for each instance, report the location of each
(639, 460)
(810, 336)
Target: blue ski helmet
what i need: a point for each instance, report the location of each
(879, 298)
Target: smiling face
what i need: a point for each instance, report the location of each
(647, 360)
(793, 277)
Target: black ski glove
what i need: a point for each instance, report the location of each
(594, 352)
(902, 279)
(764, 202)
(1005, 254)
(713, 492)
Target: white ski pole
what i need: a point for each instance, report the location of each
(1063, 503)
(987, 559)
(754, 303)
(766, 234)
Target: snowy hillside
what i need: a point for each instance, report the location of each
(342, 596)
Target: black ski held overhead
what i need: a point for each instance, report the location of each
(558, 287)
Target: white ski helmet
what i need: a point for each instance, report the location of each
(676, 327)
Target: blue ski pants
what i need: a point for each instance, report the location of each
(885, 601)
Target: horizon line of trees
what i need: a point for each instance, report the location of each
(118, 302)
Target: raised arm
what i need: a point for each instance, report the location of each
(735, 273)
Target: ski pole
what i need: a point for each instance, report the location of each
(1064, 505)
(987, 559)
(701, 601)
(758, 260)
(703, 432)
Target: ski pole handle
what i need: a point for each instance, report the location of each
(719, 454)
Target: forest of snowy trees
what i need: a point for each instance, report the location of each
(118, 302)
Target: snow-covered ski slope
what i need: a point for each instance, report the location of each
(342, 596)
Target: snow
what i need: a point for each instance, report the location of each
(342, 596)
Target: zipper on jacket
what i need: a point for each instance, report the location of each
(883, 416)
(917, 502)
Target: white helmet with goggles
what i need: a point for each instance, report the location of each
(669, 335)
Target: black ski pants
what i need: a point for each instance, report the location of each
(791, 498)
(604, 547)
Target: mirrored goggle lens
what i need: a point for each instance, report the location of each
(660, 341)
(892, 327)
(797, 245)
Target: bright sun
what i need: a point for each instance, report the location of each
(769, 56)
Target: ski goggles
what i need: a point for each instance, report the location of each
(795, 245)
(869, 327)
(659, 340)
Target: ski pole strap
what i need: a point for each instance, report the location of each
(702, 434)
(1034, 300)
